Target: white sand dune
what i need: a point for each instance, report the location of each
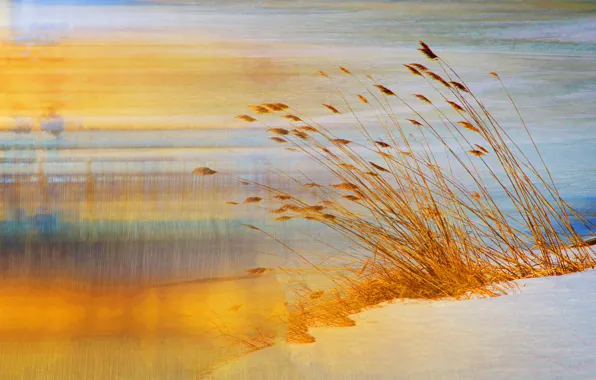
(544, 331)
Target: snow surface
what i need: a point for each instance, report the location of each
(545, 330)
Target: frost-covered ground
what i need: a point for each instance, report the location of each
(545, 330)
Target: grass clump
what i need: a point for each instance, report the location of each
(423, 222)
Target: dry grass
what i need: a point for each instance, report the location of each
(419, 230)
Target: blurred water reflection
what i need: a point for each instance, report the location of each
(106, 108)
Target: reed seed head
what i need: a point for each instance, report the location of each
(468, 126)
(378, 167)
(271, 107)
(282, 197)
(331, 108)
(382, 144)
(423, 98)
(292, 207)
(340, 141)
(250, 200)
(292, 117)
(278, 131)
(419, 66)
(252, 228)
(311, 185)
(260, 109)
(315, 208)
(280, 210)
(385, 90)
(204, 171)
(278, 140)
(299, 134)
(386, 155)
(480, 147)
(329, 217)
(346, 186)
(455, 106)
(415, 122)
(439, 79)
(246, 118)
(477, 153)
(426, 50)
(460, 86)
(413, 70)
(327, 203)
(308, 128)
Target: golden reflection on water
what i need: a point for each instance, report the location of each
(95, 296)
(57, 307)
(122, 78)
(153, 331)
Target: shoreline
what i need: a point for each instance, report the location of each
(488, 338)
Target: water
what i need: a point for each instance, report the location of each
(545, 55)
(111, 202)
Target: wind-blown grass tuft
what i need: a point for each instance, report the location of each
(418, 229)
